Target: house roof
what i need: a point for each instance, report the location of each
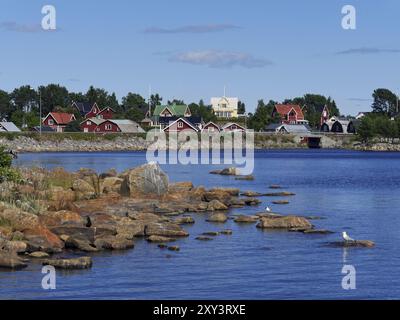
(227, 125)
(8, 127)
(176, 109)
(211, 123)
(95, 120)
(284, 109)
(272, 126)
(168, 120)
(295, 128)
(84, 107)
(127, 126)
(61, 117)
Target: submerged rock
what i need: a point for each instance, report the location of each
(184, 220)
(356, 243)
(227, 232)
(165, 230)
(286, 222)
(246, 219)
(281, 202)
(217, 217)
(160, 239)
(204, 238)
(174, 248)
(280, 194)
(75, 263)
(245, 178)
(251, 194)
(317, 231)
(211, 233)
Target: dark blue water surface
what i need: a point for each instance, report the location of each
(354, 191)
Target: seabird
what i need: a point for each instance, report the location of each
(346, 236)
(268, 209)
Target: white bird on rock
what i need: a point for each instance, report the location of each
(346, 236)
(268, 209)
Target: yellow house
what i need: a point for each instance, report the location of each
(225, 107)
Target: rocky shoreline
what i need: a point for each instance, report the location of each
(54, 212)
(92, 143)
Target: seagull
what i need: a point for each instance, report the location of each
(268, 209)
(346, 236)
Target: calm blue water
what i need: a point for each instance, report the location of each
(357, 192)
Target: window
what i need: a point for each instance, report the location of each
(108, 126)
(180, 124)
(88, 123)
(50, 122)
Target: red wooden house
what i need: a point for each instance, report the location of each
(58, 120)
(90, 125)
(289, 113)
(179, 125)
(211, 127)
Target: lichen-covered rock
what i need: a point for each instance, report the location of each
(83, 190)
(246, 219)
(286, 222)
(164, 229)
(113, 243)
(216, 205)
(160, 239)
(63, 217)
(111, 184)
(42, 239)
(148, 179)
(184, 220)
(11, 261)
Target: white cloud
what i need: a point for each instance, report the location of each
(192, 29)
(220, 59)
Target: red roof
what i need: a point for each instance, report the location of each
(62, 117)
(284, 109)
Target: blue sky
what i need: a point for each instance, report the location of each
(191, 49)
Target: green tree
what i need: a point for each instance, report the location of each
(53, 95)
(384, 101)
(241, 107)
(135, 106)
(100, 96)
(73, 126)
(5, 106)
(24, 99)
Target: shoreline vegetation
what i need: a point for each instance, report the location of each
(49, 217)
(83, 142)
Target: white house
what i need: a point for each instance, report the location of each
(225, 107)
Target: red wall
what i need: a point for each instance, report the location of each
(102, 127)
(91, 127)
(107, 113)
